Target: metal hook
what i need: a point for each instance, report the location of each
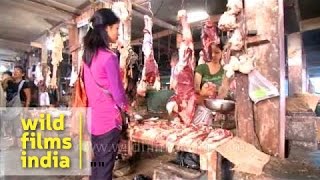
(182, 4)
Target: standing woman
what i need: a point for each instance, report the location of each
(102, 72)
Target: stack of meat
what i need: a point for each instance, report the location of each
(150, 73)
(177, 134)
(183, 102)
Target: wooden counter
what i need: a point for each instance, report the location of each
(209, 160)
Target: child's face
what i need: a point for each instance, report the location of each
(5, 76)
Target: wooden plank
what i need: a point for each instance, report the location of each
(213, 167)
(282, 98)
(310, 24)
(261, 16)
(244, 112)
(296, 64)
(58, 5)
(155, 36)
(9, 44)
(157, 21)
(88, 12)
(73, 43)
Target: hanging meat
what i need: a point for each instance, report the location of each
(208, 36)
(56, 58)
(38, 74)
(48, 78)
(132, 74)
(234, 6)
(201, 58)
(227, 22)
(183, 102)
(236, 40)
(150, 73)
(120, 9)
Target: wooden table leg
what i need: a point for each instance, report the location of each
(130, 148)
(214, 166)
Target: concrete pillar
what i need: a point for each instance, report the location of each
(296, 64)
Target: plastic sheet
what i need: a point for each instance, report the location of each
(260, 88)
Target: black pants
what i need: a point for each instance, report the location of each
(105, 149)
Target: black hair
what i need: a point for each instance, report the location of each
(9, 73)
(20, 67)
(97, 37)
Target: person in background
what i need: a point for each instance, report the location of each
(7, 80)
(101, 73)
(25, 92)
(44, 99)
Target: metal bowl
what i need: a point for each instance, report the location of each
(219, 105)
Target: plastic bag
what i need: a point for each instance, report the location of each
(203, 116)
(260, 88)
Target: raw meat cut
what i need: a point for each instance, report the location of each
(175, 134)
(236, 40)
(150, 73)
(208, 37)
(133, 73)
(56, 58)
(122, 12)
(38, 74)
(201, 58)
(227, 22)
(183, 75)
(234, 6)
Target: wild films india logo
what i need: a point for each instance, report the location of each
(36, 141)
(45, 146)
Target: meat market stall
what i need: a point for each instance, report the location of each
(240, 63)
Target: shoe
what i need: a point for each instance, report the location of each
(123, 171)
(119, 164)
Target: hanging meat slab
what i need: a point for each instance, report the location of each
(209, 36)
(236, 40)
(122, 12)
(56, 58)
(183, 75)
(150, 73)
(227, 22)
(234, 6)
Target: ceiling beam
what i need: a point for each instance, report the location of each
(140, 11)
(155, 36)
(310, 24)
(58, 6)
(37, 8)
(8, 44)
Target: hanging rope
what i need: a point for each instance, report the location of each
(206, 5)
(149, 8)
(182, 4)
(169, 44)
(158, 50)
(244, 27)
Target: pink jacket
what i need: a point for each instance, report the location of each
(105, 70)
